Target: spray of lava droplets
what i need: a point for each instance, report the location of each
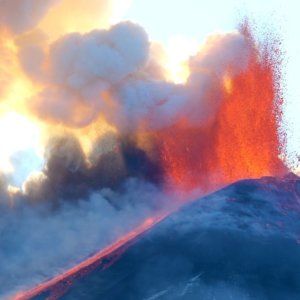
(243, 139)
(107, 92)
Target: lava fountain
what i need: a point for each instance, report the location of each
(243, 138)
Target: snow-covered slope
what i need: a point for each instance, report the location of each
(241, 242)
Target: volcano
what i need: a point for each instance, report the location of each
(106, 137)
(241, 242)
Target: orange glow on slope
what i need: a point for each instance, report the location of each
(83, 267)
(241, 142)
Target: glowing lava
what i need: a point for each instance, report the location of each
(82, 268)
(242, 141)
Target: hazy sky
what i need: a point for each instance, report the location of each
(195, 19)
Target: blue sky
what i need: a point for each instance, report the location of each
(195, 19)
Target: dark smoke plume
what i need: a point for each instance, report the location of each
(68, 176)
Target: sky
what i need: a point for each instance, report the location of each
(191, 21)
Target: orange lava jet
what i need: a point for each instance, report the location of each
(243, 140)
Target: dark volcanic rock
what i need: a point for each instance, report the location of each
(239, 243)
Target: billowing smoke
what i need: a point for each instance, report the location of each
(20, 16)
(81, 68)
(37, 243)
(68, 176)
(105, 73)
(117, 135)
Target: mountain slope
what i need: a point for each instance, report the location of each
(241, 242)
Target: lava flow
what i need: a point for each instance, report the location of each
(86, 266)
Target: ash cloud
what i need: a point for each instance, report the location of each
(112, 73)
(20, 16)
(37, 244)
(158, 104)
(82, 67)
(57, 16)
(67, 175)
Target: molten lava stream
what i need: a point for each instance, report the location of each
(129, 237)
